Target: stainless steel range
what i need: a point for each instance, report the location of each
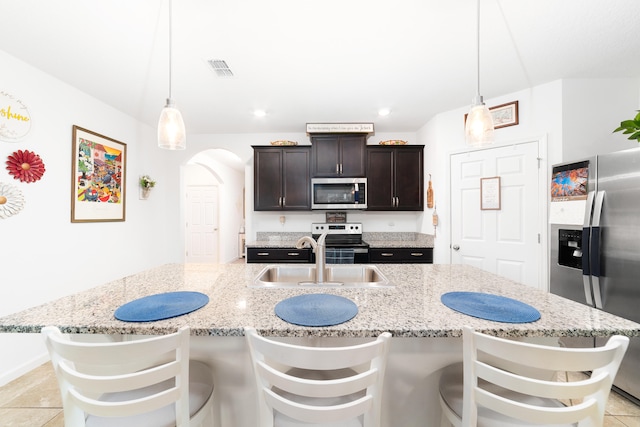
(343, 236)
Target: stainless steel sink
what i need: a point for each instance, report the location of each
(348, 276)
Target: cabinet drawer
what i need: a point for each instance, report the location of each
(282, 255)
(401, 255)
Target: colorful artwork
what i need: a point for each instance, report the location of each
(99, 173)
(98, 177)
(570, 184)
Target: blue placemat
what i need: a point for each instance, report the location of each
(490, 307)
(161, 306)
(316, 310)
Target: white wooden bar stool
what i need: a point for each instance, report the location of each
(327, 386)
(510, 383)
(147, 382)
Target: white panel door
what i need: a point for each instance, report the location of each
(202, 223)
(504, 241)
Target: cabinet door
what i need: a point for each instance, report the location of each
(409, 178)
(352, 156)
(296, 191)
(380, 191)
(326, 155)
(339, 155)
(267, 179)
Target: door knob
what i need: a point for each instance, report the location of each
(455, 247)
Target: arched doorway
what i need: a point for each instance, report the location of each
(214, 206)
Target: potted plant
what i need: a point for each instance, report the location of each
(631, 127)
(146, 184)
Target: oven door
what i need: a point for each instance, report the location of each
(360, 255)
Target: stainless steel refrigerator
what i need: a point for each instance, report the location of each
(598, 262)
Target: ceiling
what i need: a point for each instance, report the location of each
(317, 61)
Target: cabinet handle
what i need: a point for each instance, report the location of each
(263, 253)
(284, 202)
(293, 253)
(337, 168)
(280, 201)
(416, 254)
(340, 168)
(386, 254)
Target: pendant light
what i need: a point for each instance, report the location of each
(171, 131)
(479, 126)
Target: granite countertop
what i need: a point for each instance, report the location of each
(374, 239)
(411, 309)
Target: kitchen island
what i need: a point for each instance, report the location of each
(426, 333)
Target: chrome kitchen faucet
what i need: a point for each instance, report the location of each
(319, 249)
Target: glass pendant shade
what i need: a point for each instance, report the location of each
(478, 129)
(171, 131)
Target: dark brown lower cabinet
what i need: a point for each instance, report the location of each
(278, 255)
(401, 255)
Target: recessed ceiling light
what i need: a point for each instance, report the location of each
(384, 112)
(259, 113)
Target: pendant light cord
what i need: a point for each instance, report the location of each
(478, 49)
(170, 43)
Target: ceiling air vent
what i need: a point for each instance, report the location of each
(220, 67)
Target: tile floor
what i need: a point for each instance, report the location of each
(33, 400)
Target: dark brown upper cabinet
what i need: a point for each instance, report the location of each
(395, 178)
(281, 178)
(338, 155)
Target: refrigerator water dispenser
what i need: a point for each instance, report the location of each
(570, 248)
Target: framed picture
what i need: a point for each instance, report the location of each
(490, 193)
(504, 115)
(98, 177)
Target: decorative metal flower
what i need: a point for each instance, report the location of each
(25, 166)
(11, 200)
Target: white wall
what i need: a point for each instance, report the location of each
(592, 109)
(43, 255)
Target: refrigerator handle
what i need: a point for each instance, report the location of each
(586, 248)
(595, 249)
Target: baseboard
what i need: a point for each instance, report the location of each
(17, 372)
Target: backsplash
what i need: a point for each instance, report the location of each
(366, 236)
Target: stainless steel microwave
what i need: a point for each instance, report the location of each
(339, 193)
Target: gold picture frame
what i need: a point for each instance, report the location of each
(98, 177)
